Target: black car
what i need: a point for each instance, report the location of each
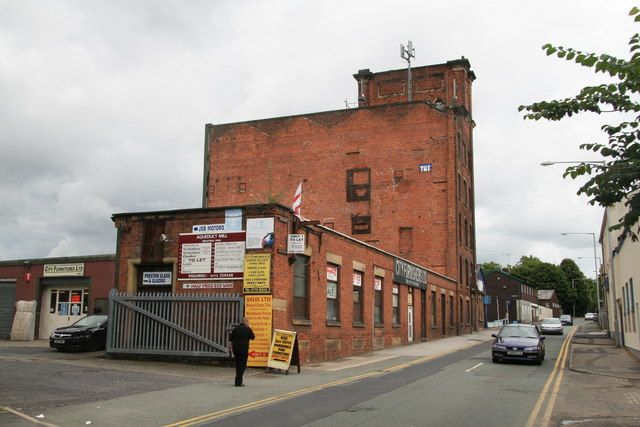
(518, 342)
(88, 333)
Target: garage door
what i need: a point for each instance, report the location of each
(7, 304)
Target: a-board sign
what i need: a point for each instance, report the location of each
(281, 349)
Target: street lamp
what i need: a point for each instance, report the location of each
(586, 162)
(595, 263)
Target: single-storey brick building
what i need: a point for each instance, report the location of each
(342, 296)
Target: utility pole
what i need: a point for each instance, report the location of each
(406, 54)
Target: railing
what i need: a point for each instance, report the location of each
(497, 323)
(170, 324)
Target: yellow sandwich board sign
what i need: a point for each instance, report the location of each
(282, 348)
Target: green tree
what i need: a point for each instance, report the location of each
(583, 296)
(619, 177)
(489, 267)
(544, 275)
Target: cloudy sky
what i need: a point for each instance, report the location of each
(103, 104)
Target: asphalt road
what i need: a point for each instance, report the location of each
(463, 389)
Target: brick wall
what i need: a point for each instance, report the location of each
(319, 339)
(427, 217)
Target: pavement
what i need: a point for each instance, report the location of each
(592, 352)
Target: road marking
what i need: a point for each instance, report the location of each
(556, 375)
(471, 369)
(273, 399)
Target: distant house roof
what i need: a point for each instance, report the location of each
(546, 294)
(504, 273)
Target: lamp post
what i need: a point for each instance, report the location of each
(595, 263)
(573, 285)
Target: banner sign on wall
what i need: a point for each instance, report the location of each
(258, 308)
(211, 256)
(233, 219)
(56, 270)
(260, 233)
(257, 273)
(409, 274)
(156, 278)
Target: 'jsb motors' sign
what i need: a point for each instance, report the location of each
(211, 256)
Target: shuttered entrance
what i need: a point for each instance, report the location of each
(7, 304)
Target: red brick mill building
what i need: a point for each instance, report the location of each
(394, 173)
(387, 188)
(387, 255)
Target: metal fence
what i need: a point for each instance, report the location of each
(171, 324)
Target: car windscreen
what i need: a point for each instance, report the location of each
(551, 321)
(91, 321)
(518, 332)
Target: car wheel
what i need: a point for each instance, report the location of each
(495, 359)
(539, 361)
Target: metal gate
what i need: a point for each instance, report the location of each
(169, 324)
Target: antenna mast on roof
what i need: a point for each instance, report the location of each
(407, 54)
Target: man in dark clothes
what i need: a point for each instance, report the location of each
(239, 337)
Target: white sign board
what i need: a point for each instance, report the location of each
(208, 228)
(156, 278)
(260, 233)
(196, 258)
(229, 257)
(295, 243)
(56, 270)
(233, 219)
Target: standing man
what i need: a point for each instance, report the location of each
(239, 337)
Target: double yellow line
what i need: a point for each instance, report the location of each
(555, 379)
(269, 400)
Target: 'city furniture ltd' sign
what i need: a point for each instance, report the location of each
(57, 270)
(409, 274)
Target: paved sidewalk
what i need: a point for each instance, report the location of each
(593, 352)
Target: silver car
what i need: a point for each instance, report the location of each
(551, 325)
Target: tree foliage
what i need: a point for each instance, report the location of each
(619, 177)
(490, 267)
(544, 275)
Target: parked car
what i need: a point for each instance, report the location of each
(518, 342)
(551, 325)
(589, 316)
(566, 319)
(88, 333)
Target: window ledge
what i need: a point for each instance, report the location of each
(302, 322)
(397, 325)
(379, 325)
(358, 325)
(334, 323)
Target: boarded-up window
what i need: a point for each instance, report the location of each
(153, 245)
(360, 224)
(390, 87)
(430, 83)
(358, 185)
(406, 241)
